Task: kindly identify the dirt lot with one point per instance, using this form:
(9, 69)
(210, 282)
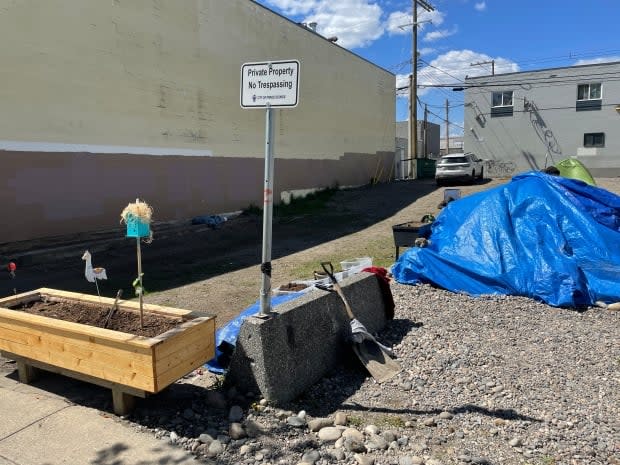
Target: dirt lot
(217, 271)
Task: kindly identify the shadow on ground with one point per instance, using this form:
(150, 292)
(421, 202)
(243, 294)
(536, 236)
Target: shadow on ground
(193, 253)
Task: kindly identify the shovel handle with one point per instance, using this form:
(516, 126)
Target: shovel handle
(329, 272)
(337, 288)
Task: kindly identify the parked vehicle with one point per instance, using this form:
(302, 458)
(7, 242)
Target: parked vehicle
(459, 166)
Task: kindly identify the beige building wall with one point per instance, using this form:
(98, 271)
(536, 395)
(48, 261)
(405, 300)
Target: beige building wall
(104, 101)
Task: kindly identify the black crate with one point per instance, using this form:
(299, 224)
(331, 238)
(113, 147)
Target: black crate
(405, 234)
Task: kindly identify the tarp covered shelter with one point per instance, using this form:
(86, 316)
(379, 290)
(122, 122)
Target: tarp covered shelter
(553, 239)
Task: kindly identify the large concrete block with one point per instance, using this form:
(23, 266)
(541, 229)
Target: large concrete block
(282, 356)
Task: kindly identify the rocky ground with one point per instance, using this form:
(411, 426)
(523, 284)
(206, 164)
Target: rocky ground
(492, 380)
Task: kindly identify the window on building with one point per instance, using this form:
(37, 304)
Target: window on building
(502, 99)
(594, 139)
(501, 103)
(589, 96)
(589, 91)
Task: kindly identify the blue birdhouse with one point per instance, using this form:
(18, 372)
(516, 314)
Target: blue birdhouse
(136, 228)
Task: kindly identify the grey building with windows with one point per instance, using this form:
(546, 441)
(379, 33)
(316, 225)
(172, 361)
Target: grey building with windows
(528, 120)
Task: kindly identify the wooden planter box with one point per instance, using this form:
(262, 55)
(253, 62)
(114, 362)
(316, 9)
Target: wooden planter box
(129, 365)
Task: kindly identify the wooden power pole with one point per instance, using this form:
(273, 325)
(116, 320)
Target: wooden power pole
(425, 130)
(413, 89)
(447, 127)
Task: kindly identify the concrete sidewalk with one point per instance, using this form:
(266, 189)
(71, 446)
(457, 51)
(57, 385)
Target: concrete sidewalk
(38, 427)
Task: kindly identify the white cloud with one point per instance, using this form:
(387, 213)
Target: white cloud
(402, 82)
(453, 66)
(481, 6)
(295, 7)
(399, 22)
(356, 23)
(593, 61)
(405, 19)
(426, 50)
(440, 34)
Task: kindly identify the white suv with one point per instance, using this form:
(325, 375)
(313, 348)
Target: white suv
(458, 166)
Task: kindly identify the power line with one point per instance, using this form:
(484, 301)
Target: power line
(588, 75)
(575, 56)
(571, 107)
(446, 121)
(441, 70)
(570, 56)
(532, 83)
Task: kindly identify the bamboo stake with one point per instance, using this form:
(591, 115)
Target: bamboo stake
(140, 291)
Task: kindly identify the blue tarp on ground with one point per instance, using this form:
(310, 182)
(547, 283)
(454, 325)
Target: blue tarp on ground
(553, 239)
(226, 336)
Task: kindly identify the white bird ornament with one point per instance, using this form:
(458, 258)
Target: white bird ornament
(93, 274)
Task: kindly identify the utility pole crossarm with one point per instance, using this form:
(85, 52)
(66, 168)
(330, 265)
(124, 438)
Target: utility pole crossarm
(489, 62)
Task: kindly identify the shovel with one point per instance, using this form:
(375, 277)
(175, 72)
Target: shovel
(373, 355)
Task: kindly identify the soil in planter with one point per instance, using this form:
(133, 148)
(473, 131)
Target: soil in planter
(93, 315)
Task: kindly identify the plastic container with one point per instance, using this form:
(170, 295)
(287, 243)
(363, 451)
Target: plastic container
(136, 228)
(361, 263)
(451, 194)
(355, 265)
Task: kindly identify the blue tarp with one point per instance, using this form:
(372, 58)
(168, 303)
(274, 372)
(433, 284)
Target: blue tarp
(226, 336)
(550, 238)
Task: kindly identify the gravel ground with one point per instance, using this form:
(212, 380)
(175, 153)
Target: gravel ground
(491, 380)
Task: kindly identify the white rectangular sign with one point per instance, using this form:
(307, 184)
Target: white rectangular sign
(273, 83)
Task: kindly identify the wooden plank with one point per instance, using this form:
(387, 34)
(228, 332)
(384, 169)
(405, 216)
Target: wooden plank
(164, 364)
(29, 325)
(174, 359)
(202, 333)
(99, 335)
(75, 375)
(116, 365)
(81, 350)
(186, 366)
(93, 367)
(90, 368)
(182, 335)
(22, 298)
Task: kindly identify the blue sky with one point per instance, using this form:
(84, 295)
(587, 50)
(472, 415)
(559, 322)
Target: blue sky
(519, 35)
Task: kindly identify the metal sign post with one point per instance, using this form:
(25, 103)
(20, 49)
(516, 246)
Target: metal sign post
(272, 84)
(265, 268)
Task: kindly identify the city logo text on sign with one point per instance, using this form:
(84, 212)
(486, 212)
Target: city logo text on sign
(274, 84)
